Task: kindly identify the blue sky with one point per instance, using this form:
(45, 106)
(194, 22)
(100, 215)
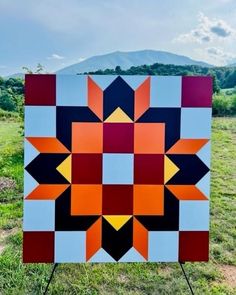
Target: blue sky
(58, 33)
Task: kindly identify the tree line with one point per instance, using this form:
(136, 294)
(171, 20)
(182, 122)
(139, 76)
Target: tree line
(12, 89)
(224, 77)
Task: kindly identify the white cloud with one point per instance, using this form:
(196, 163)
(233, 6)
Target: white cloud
(56, 56)
(207, 30)
(81, 59)
(220, 55)
(225, 1)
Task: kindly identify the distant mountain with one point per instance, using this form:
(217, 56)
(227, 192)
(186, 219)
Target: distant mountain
(16, 75)
(232, 65)
(128, 59)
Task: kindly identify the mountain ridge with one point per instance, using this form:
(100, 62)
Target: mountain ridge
(128, 59)
(125, 59)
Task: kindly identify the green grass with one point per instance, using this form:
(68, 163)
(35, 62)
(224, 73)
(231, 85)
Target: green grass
(148, 278)
(8, 116)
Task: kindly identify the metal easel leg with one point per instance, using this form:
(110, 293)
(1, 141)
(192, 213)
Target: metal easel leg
(186, 278)
(50, 279)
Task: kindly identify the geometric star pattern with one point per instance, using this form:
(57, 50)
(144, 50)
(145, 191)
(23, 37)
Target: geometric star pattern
(116, 168)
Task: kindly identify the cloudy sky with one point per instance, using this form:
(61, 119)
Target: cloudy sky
(58, 33)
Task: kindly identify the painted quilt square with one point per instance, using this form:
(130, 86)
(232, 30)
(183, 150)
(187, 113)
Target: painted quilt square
(117, 168)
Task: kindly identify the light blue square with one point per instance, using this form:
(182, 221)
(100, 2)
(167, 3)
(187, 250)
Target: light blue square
(166, 91)
(71, 90)
(40, 121)
(70, 246)
(39, 215)
(195, 123)
(118, 168)
(163, 246)
(194, 215)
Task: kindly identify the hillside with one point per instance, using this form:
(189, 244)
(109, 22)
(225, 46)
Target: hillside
(225, 77)
(128, 59)
(15, 76)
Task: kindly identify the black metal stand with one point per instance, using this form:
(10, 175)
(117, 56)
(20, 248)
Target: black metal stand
(50, 279)
(186, 278)
(180, 263)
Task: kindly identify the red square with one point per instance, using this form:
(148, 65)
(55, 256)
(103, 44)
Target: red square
(38, 247)
(148, 169)
(87, 168)
(193, 246)
(40, 90)
(196, 91)
(118, 137)
(117, 200)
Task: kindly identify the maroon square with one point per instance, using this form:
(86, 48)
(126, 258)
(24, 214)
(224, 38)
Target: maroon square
(118, 137)
(40, 90)
(117, 200)
(148, 169)
(38, 247)
(87, 168)
(193, 246)
(196, 91)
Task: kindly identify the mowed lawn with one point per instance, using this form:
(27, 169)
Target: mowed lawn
(216, 277)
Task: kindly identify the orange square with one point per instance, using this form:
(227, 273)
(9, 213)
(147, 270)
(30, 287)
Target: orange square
(87, 137)
(86, 199)
(148, 200)
(149, 138)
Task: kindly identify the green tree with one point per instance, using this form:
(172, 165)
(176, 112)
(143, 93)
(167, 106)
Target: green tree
(1, 81)
(39, 69)
(7, 103)
(118, 70)
(216, 86)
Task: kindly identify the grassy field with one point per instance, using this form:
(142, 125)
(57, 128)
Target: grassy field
(216, 277)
